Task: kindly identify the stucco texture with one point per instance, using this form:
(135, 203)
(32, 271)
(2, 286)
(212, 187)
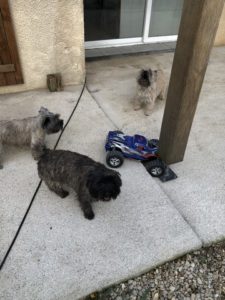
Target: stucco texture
(50, 39)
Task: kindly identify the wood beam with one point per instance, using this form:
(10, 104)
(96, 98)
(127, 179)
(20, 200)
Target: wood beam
(199, 23)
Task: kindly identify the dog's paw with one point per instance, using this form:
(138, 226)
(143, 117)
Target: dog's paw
(147, 113)
(89, 215)
(137, 107)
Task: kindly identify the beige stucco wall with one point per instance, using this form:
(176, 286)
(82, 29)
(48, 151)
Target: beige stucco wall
(50, 38)
(220, 36)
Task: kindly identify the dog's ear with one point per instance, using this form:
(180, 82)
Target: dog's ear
(116, 178)
(45, 122)
(43, 111)
(155, 75)
(150, 73)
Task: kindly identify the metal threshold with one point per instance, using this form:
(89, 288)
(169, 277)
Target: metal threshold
(129, 50)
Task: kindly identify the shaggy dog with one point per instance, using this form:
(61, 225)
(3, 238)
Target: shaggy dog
(150, 86)
(30, 131)
(91, 180)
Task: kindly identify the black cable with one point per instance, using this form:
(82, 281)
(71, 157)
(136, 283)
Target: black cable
(71, 115)
(39, 184)
(20, 226)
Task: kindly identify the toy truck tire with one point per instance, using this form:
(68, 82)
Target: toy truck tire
(114, 159)
(156, 168)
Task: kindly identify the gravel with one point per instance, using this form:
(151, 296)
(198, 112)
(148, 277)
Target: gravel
(196, 276)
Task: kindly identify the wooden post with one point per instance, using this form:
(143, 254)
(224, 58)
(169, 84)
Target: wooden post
(199, 23)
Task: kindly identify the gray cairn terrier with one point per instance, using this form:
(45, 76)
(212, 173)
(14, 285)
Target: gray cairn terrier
(151, 85)
(91, 180)
(29, 131)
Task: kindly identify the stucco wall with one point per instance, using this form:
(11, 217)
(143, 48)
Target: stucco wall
(50, 39)
(220, 36)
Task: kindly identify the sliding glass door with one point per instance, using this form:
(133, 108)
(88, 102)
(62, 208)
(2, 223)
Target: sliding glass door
(132, 14)
(119, 22)
(165, 17)
(102, 19)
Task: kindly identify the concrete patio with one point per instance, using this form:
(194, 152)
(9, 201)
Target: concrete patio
(60, 255)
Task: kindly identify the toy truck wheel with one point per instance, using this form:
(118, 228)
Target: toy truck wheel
(156, 168)
(114, 159)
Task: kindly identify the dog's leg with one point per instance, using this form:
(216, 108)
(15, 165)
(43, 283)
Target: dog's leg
(85, 203)
(148, 108)
(150, 101)
(55, 187)
(37, 150)
(137, 103)
(137, 100)
(37, 143)
(162, 94)
(1, 155)
(87, 209)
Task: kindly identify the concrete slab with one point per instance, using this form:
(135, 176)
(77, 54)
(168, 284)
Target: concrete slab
(199, 191)
(61, 255)
(18, 179)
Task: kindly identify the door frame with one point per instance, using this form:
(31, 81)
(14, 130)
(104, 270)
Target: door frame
(145, 39)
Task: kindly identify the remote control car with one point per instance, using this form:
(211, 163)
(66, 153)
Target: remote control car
(120, 146)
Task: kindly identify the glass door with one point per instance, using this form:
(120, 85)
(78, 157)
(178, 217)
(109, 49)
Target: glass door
(102, 19)
(124, 22)
(111, 22)
(132, 14)
(165, 17)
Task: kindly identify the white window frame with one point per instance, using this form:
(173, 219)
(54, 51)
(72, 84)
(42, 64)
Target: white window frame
(145, 39)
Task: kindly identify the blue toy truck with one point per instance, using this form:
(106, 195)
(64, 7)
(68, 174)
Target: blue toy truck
(120, 146)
